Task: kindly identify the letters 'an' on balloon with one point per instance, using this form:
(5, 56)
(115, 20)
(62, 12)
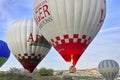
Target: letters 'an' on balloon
(4, 52)
(70, 25)
(26, 43)
(109, 69)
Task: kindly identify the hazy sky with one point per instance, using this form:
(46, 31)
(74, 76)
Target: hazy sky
(106, 44)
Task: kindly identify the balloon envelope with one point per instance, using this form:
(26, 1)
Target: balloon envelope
(4, 52)
(70, 25)
(26, 43)
(108, 68)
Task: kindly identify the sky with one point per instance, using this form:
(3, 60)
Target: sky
(105, 45)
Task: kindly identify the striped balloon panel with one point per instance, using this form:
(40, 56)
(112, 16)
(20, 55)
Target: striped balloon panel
(108, 68)
(108, 63)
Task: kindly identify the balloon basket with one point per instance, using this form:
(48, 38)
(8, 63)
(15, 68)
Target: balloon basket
(72, 69)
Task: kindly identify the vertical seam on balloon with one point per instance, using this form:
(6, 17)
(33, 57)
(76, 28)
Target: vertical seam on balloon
(24, 27)
(14, 42)
(72, 21)
(81, 18)
(45, 33)
(21, 32)
(87, 18)
(66, 17)
(103, 65)
(116, 65)
(56, 1)
(25, 38)
(93, 24)
(77, 15)
(111, 75)
(107, 63)
(99, 66)
(74, 17)
(17, 37)
(106, 75)
(33, 37)
(36, 33)
(9, 41)
(64, 27)
(13, 39)
(20, 26)
(96, 27)
(87, 29)
(54, 23)
(112, 64)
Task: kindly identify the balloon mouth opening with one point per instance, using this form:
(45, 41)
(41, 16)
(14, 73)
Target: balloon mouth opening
(30, 69)
(71, 48)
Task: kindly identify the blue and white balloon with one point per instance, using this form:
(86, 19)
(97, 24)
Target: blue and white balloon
(109, 69)
(4, 52)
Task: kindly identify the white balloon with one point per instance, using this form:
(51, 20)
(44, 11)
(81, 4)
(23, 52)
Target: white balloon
(67, 22)
(109, 69)
(26, 43)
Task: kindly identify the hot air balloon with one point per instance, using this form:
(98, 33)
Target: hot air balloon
(26, 43)
(4, 52)
(69, 25)
(109, 69)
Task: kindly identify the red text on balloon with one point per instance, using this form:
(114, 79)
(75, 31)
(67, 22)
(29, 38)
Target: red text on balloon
(30, 38)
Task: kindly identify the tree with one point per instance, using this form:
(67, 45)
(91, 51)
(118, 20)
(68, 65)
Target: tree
(45, 72)
(14, 71)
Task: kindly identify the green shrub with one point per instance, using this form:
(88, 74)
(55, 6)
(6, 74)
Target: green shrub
(45, 72)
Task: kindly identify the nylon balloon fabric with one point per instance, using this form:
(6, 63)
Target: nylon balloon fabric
(27, 44)
(70, 25)
(109, 69)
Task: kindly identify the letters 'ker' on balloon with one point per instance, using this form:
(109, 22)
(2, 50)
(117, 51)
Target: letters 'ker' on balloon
(43, 14)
